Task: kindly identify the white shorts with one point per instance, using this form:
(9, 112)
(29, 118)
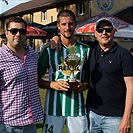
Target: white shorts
(55, 124)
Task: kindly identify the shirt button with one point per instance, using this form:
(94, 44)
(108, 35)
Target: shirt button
(101, 55)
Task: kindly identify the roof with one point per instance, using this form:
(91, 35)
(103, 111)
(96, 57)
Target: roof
(126, 14)
(35, 6)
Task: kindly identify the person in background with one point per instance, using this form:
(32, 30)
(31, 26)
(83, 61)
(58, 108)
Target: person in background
(45, 41)
(20, 104)
(63, 104)
(110, 95)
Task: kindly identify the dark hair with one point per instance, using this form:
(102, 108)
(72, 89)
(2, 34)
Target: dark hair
(16, 19)
(66, 13)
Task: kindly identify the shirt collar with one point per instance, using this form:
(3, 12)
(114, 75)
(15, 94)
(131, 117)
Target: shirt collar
(112, 49)
(4, 45)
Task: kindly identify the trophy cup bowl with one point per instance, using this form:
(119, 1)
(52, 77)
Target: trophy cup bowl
(72, 62)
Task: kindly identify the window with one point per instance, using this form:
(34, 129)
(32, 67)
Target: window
(51, 18)
(44, 15)
(81, 9)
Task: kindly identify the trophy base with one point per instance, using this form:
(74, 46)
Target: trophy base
(73, 85)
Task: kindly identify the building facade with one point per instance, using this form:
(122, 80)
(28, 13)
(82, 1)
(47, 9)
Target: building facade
(46, 12)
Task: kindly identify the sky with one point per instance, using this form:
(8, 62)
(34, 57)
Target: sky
(11, 3)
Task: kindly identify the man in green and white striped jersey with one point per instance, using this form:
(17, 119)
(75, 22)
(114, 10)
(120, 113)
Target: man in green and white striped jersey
(62, 104)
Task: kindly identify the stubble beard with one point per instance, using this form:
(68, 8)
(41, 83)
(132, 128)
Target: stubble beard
(68, 37)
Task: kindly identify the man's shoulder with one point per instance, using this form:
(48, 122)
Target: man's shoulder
(82, 43)
(2, 52)
(121, 48)
(90, 44)
(31, 52)
(120, 51)
(45, 49)
(0, 49)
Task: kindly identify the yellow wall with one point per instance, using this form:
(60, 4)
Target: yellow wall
(37, 17)
(50, 13)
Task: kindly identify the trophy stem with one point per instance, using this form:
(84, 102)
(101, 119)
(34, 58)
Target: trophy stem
(72, 79)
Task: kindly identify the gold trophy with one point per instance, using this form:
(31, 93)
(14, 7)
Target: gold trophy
(72, 61)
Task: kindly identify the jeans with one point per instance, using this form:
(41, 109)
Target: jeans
(17, 129)
(103, 124)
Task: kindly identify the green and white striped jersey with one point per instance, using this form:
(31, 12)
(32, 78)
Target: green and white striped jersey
(60, 103)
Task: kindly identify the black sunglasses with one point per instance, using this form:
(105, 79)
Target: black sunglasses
(15, 30)
(100, 30)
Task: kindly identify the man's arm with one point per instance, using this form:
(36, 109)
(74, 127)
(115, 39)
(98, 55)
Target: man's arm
(125, 124)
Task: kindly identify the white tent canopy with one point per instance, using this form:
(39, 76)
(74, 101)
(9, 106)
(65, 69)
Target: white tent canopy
(125, 32)
(124, 29)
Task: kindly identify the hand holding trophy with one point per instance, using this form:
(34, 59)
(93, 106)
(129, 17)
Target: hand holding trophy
(72, 61)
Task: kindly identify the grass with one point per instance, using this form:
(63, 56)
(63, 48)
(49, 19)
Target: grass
(40, 124)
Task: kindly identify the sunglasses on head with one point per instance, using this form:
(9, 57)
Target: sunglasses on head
(100, 30)
(15, 30)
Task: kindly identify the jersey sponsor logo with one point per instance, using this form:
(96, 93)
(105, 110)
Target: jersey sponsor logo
(65, 69)
(110, 62)
(105, 5)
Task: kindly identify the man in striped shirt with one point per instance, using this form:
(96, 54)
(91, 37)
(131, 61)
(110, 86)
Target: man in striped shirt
(63, 104)
(20, 105)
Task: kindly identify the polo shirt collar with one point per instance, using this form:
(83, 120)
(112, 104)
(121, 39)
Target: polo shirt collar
(112, 49)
